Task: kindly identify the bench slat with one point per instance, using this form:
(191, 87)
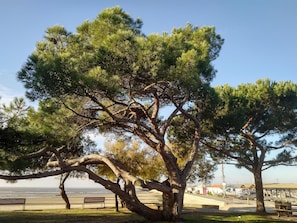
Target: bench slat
(8, 201)
(285, 210)
(94, 199)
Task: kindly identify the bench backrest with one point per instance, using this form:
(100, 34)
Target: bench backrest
(94, 199)
(7, 201)
(283, 205)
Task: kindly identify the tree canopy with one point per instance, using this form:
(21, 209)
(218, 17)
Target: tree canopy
(122, 81)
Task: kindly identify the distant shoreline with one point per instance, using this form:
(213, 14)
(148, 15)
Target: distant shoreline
(35, 192)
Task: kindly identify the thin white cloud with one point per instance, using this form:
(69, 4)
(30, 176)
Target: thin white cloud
(9, 87)
(7, 94)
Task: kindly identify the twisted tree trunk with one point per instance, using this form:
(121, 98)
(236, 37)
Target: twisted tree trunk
(63, 193)
(173, 202)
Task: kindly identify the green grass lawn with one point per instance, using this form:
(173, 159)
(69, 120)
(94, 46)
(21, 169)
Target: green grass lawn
(108, 215)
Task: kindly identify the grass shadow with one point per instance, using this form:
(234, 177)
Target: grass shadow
(109, 215)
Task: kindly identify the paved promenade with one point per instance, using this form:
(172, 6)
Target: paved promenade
(225, 204)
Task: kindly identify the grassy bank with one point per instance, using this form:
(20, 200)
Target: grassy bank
(108, 215)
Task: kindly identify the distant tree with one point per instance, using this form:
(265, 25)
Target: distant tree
(12, 114)
(122, 81)
(138, 160)
(14, 140)
(255, 126)
(27, 134)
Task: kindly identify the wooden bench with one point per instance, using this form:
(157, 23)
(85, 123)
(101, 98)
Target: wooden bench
(13, 201)
(285, 212)
(284, 208)
(93, 200)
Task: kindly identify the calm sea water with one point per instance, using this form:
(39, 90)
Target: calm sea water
(43, 191)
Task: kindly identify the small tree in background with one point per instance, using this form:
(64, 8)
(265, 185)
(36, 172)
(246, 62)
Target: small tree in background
(28, 137)
(255, 126)
(138, 160)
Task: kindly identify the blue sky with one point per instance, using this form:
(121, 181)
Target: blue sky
(260, 40)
